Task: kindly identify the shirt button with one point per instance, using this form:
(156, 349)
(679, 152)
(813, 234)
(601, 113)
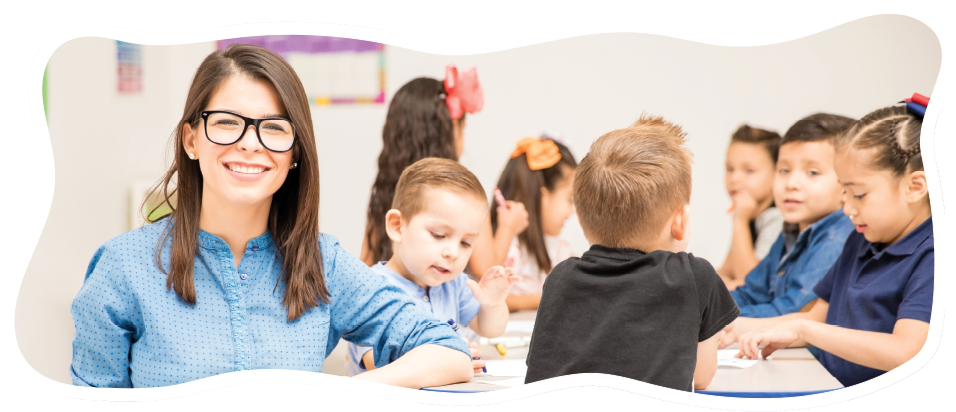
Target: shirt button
(780, 273)
(425, 298)
(243, 276)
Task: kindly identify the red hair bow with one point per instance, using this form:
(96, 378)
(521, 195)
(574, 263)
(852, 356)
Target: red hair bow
(463, 93)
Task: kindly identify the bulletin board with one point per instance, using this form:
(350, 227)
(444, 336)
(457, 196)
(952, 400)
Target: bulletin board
(333, 70)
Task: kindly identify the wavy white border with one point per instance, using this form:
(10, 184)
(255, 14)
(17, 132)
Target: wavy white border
(459, 45)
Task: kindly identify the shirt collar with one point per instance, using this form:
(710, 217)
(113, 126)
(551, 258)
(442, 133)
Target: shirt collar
(210, 241)
(614, 252)
(820, 227)
(905, 246)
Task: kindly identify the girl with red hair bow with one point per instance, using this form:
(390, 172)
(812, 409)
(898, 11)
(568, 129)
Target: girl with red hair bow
(426, 118)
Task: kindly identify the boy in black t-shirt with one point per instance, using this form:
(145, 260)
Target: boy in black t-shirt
(634, 305)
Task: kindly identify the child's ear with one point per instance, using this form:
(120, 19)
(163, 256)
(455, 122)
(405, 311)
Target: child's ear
(916, 187)
(680, 228)
(393, 225)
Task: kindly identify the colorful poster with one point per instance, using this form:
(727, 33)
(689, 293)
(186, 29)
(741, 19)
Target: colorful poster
(333, 70)
(129, 67)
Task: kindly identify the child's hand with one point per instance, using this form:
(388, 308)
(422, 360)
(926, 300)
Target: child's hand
(476, 361)
(514, 217)
(494, 286)
(728, 338)
(773, 337)
(744, 205)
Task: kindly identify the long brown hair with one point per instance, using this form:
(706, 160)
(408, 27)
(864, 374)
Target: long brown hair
(418, 125)
(294, 212)
(521, 184)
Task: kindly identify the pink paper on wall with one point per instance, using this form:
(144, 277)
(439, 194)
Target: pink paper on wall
(129, 67)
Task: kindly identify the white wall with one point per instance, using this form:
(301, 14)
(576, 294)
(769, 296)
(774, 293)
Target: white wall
(581, 87)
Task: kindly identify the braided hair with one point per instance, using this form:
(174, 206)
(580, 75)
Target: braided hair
(894, 132)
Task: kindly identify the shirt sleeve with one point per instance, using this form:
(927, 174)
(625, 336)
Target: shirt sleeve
(717, 307)
(104, 332)
(799, 288)
(769, 231)
(918, 294)
(467, 305)
(368, 311)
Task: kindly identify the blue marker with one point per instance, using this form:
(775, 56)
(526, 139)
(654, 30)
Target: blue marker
(454, 326)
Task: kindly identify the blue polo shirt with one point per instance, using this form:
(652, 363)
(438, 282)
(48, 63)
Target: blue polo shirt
(870, 288)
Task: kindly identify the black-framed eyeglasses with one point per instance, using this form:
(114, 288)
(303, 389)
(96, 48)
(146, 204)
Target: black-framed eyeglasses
(225, 128)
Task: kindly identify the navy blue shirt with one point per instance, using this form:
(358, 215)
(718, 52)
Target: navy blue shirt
(870, 288)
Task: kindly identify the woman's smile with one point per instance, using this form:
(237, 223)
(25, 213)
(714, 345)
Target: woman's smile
(246, 171)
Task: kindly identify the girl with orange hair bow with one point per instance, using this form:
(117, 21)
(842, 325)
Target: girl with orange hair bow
(539, 175)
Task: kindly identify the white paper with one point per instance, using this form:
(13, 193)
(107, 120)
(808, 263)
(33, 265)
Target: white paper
(725, 358)
(521, 326)
(509, 367)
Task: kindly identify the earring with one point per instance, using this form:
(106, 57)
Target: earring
(851, 217)
(294, 165)
(191, 156)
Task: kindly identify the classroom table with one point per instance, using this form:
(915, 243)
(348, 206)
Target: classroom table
(789, 372)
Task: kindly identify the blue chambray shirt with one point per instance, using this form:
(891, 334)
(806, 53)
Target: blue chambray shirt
(133, 332)
(452, 300)
(783, 281)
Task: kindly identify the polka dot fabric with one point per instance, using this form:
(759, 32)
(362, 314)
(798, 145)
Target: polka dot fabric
(133, 332)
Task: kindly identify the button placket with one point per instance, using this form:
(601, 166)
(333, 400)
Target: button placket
(237, 311)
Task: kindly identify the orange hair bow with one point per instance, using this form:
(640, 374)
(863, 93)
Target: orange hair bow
(541, 153)
(463, 92)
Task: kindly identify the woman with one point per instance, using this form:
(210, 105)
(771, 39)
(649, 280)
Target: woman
(238, 276)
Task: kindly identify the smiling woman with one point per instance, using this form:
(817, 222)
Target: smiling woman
(237, 275)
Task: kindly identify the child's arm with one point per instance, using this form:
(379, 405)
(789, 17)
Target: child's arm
(523, 302)
(491, 293)
(743, 326)
(877, 350)
(491, 249)
(369, 360)
(426, 365)
(742, 256)
(706, 362)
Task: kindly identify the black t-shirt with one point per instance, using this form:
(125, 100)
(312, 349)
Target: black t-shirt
(628, 313)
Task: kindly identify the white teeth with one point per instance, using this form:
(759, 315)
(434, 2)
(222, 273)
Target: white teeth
(245, 170)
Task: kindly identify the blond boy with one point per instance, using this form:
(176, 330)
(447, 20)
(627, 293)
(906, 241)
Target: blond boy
(635, 304)
(438, 210)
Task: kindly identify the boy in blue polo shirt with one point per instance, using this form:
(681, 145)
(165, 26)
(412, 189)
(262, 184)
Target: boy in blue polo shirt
(875, 303)
(438, 210)
(806, 191)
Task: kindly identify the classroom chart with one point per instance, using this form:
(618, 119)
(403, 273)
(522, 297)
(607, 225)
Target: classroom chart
(788, 372)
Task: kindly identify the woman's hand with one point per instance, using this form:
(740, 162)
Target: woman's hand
(494, 286)
(514, 218)
(476, 362)
(773, 337)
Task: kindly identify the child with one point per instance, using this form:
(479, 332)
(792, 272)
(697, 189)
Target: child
(438, 211)
(751, 164)
(635, 304)
(539, 175)
(808, 195)
(874, 308)
(426, 118)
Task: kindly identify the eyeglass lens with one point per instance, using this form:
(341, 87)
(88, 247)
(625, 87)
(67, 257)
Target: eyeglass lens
(226, 128)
